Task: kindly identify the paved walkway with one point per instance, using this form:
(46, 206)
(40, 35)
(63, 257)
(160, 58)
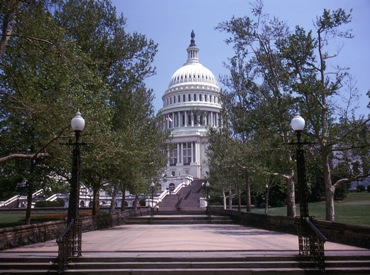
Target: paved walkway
(167, 239)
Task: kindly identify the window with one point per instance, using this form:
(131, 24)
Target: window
(186, 153)
(183, 98)
(189, 97)
(173, 157)
(195, 97)
(178, 98)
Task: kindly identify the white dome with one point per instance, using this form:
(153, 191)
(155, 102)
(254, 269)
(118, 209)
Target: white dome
(193, 72)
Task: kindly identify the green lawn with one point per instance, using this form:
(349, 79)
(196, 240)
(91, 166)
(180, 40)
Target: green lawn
(355, 209)
(11, 218)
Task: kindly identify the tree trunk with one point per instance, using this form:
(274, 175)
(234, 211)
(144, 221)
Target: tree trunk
(29, 193)
(329, 188)
(290, 200)
(239, 200)
(230, 200)
(136, 201)
(95, 206)
(29, 202)
(267, 200)
(224, 198)
(114, 198)
(9, 21)
(248, 194)
(123, 199)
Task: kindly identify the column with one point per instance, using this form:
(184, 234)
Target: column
(178, 146)
(168, 154)
(193, 153)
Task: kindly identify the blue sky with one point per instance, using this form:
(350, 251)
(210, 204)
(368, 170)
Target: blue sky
(170, 22)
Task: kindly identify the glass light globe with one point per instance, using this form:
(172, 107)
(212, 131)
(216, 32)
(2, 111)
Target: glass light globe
(297, 123)
(78, 122)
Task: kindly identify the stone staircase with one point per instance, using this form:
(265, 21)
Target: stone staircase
(186, 199)
(211, 262)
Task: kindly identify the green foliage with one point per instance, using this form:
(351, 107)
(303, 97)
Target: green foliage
(56, 203)
(68, 55)
(276, 72)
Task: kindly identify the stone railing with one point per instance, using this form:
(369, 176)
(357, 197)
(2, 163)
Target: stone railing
(349, 234)
(16, 236)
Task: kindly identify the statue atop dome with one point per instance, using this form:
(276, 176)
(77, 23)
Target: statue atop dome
(192, 41)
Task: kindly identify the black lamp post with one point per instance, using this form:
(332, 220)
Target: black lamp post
(152, 206)
(77, 124)
(298, 124)
(207, 199)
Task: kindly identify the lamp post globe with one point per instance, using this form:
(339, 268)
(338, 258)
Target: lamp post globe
(78, 122)
(297, 123)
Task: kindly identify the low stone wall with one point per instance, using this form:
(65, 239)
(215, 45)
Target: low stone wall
(354, 235)
(17, 236)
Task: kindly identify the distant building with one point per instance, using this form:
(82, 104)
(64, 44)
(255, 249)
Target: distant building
(190, 105)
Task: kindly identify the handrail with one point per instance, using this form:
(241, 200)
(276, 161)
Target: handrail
(38, 192)
(178, 188)
(65, 231)
(316, 243)
(317, 231)
(9, 201)
(69, 243)
(164, 194)
(177, 205)
(187, 195)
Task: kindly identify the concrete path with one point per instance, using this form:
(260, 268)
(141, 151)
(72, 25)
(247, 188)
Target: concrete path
(167, 239)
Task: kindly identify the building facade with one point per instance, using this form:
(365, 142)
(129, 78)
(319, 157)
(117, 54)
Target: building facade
(191, 104)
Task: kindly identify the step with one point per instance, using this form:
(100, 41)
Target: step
(182, 264)
(189, 264)
(180, 219)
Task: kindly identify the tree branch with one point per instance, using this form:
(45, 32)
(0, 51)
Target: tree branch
(37, 155)
(24, 156)
(342, 181)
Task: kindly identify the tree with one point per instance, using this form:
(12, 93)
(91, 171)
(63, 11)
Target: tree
(42, 89)
(333, 128)
(284, 72)
(257, 86)
(91, 64)
(124, 61)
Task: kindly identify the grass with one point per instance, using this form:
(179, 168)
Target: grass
(10, 218)
(354, 209)
(14, 218)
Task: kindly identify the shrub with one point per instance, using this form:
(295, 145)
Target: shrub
(360, 188)
(368, 188)
(56, 203)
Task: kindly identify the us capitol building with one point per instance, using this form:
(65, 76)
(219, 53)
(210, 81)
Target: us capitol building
(191, 104)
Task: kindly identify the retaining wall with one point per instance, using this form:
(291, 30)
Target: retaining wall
(349, 234)
(16, 236)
